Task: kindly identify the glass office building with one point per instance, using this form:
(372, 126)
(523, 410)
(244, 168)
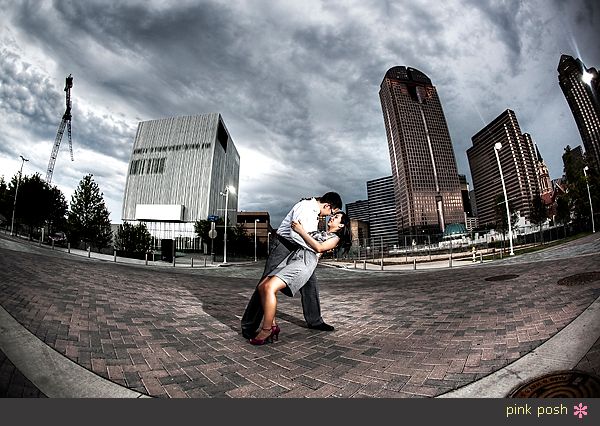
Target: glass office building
(581, 87)
(428, 194)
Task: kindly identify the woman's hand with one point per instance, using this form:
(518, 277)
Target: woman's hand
(297, 226)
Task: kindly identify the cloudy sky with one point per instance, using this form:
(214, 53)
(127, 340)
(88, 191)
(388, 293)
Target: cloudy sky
(296, 82)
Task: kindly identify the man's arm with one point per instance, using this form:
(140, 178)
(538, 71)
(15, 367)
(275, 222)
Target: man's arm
(309, 218)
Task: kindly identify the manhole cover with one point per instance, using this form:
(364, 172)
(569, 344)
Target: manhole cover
(561, 384)
(584, 278)
(502, 277)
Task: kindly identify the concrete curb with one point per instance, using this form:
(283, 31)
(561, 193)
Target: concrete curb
(51, 372)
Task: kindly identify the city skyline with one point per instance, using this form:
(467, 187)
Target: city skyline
(296, 83)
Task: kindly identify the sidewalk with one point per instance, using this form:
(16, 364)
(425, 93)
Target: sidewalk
(174, 332)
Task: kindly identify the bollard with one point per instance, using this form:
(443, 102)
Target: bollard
(365, 264)
(89, 251)
(173, 261)
(192, 262)
(52, 244)
(68, 247)
(153, 256)
(205, 261)
(480, 257)
(382, 264)
(40, 244)
(146, 259)
(115, 256)
(415, 264)
(450, 261)
(354, 263)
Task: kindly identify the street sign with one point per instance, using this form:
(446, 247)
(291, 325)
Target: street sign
(213, 218)
(212, 234)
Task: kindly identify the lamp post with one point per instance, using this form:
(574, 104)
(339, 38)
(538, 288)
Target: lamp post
(12, 223)
(255, 222)
(226, 194)
(498, 147)
(585, 169)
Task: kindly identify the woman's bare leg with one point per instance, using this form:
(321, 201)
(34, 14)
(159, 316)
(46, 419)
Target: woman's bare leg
(268, 289)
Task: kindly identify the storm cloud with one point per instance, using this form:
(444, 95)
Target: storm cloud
(296, 82)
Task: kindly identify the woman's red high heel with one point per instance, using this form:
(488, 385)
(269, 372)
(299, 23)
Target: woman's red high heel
(275, 331)
(259, 342)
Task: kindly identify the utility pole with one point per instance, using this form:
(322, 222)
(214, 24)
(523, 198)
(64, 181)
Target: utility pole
(12, 223)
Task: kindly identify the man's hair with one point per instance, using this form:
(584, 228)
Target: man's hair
(332, 198)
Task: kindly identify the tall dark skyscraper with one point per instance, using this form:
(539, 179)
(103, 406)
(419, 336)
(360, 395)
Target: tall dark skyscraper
(424, 168)
(519, 162)
(581, 87)
(358, 210)
(382, 211)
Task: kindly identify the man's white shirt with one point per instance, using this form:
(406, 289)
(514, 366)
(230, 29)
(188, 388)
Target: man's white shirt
(307, 213)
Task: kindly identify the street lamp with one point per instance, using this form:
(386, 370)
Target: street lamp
(255, 222)
(228, 188)
(12, 224)
(585, 169)
(498, 147)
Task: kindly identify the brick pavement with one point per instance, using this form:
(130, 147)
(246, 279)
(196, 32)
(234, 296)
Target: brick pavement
(173, 333)
(13, 384)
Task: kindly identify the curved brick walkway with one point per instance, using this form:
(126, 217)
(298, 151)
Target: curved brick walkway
(174, 332)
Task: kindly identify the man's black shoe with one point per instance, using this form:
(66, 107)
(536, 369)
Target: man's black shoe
(249, 334)
(322, 327)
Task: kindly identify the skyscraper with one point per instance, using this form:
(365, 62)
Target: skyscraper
(178, 169)
(424, 169)
(358, 210)
(382, 211)
(581, 87)
(518, 160)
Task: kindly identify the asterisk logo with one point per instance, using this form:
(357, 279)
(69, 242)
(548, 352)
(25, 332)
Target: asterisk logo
(580, 410)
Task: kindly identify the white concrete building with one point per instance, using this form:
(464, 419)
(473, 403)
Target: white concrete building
(178, 169)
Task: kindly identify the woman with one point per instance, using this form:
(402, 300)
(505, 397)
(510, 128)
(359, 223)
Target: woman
(295, 270)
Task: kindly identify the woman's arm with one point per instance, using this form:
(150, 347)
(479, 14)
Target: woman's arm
(319, 247)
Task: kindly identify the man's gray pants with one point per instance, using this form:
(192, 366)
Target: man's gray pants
(311, 305)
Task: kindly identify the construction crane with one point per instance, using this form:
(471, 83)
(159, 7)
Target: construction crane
(66, 122)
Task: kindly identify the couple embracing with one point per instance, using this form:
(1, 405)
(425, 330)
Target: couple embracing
(290, 267)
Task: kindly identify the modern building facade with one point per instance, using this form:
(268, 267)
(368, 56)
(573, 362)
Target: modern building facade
(581, 87)
(382, 212)
(426, 185)
(257, 224)
(465, 193)
(518, 161)
(358, 210)
(179, 170)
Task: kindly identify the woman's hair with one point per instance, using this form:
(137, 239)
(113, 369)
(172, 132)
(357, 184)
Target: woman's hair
(344, 233)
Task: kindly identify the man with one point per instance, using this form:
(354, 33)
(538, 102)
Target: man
(307, 212)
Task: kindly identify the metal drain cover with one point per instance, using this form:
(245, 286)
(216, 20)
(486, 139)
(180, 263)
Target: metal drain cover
(560, 384)
(502, 277)
(584, 278)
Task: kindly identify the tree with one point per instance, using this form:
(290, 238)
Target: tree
(38, 203)
(133, 240)
(240, 242)
(539, 213)
(573, 164)
(88, 219)
(4, 201)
